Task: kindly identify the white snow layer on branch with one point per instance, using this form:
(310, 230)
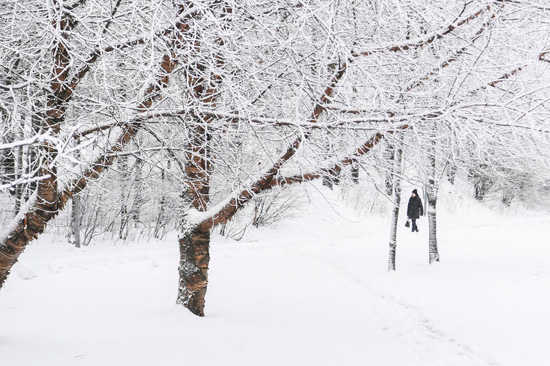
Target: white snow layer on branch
(421, 41)
(30, 141)
(63, 151)
(13, 224)
(22, 180)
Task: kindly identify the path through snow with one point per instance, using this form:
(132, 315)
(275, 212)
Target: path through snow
(307, 292)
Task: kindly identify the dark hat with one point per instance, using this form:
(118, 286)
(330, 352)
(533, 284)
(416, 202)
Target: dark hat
(415, 192)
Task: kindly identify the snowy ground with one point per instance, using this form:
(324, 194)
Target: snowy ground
(310, 291)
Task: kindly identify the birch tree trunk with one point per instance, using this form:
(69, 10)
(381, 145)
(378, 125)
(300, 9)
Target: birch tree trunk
(18, 190)
(138, 188)
(76, 216)
(389, 154)
(158, 233)
(124, 194)
(431, 190)
(396, 190)
(76, 221)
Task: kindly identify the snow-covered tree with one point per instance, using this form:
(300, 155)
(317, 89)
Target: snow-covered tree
(244, 97)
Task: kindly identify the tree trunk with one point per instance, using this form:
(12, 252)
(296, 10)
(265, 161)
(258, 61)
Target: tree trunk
(76, 221)
(389, 154)
(46, 206)
(451, 173)
(432, 221)
(18, 172)
(138, 189)
(507, 196)
(76, 214)
(331, 179)
(431, 190)
(396, 190)
(124, 194)
(355, 172)
(481, 187)
(32, 223)
(48, 200)
(193, 270)
(482, 182)
(195, 241)
(161, 217)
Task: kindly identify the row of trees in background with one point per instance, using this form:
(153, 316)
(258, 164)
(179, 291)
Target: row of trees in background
(149, 116)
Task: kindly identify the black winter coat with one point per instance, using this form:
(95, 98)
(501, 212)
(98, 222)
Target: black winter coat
(415, 209)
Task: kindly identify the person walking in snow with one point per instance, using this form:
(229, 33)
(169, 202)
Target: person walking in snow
(414, 209)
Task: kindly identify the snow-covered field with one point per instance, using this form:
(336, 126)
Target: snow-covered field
(310, 291)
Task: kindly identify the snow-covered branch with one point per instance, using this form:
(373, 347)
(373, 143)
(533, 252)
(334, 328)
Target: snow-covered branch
(22, 180)
(429, 38)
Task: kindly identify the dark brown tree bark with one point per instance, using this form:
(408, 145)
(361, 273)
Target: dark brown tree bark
(46, 205)
(193, 270)
(49, 201)
(194, 244)
(195, 240)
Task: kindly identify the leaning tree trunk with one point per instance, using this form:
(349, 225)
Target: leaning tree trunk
(46, 205)
(48, 200)
(431, 190)
(396, 189)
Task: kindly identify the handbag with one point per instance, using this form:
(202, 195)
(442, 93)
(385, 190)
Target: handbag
(408, 224)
